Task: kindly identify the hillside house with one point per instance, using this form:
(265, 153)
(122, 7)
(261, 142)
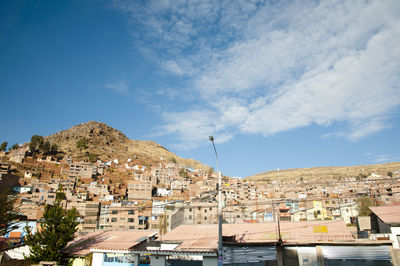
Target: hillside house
(4, 169)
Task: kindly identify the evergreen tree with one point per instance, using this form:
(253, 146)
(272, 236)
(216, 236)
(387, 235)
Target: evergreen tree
(3, 146)
(54, 149)
(8, 218)
(57, 229)
(46, 147)
(15, 146)
(36, 143)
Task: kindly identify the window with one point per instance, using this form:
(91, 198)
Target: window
(205, 218)
(114, 212)
(190, 217)
(131, 227)
(190, 209)
(113, 220)
(108, 257)
(199, 208)
(119, 258)
(205, 210)
(131, 220)
(131, 212)
(210, 208)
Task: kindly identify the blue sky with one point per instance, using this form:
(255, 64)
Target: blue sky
(280, 84)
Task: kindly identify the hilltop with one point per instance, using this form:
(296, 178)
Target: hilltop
(324, 173)
(109, 143)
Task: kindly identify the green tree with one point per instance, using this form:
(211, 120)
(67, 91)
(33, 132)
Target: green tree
(3, 146)
(46, 147)
(363, 204)
(82, 144)
(54, 149)
(390, 174)
(8, 218)
(15, 146)
(36, 142)
(183, 173)
(57, 229)
(92, 157)
(60, 194)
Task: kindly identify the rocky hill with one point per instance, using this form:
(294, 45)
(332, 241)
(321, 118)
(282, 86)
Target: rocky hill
(321, 173)
(108, 144)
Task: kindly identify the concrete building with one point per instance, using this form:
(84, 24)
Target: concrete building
(89, 214)
(122, 216)
(139, 190)
(4, 169)
(17, 156)
(201, 213)
(81, 169)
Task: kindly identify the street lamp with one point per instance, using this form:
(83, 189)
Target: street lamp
(219, 207)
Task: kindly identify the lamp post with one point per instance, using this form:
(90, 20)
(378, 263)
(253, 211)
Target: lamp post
(219, 207)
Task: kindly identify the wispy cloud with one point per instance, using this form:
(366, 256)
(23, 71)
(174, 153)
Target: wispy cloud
(262, 68)
(119, 87)
(382, 158)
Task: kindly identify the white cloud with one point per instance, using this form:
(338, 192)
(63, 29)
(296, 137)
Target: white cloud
(262, 68)
(193, 128)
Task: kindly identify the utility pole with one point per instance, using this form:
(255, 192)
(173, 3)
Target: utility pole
(273, 210)
(340, 209)
(279, 227)
(220, 258)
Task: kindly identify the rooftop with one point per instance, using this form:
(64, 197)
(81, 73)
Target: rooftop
(110, 240)
(205, 237)
(388, 214)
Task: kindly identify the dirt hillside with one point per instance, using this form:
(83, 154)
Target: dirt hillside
(316, 173)
(109, 143)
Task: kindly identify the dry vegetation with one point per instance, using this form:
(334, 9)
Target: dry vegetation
(318, 173)
(108, 144)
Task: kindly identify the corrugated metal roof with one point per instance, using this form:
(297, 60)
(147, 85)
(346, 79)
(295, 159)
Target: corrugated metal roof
(110, 240)
(206, 236)
(248, 254)
(356, 253)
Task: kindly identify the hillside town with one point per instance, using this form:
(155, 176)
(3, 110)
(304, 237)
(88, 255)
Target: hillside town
(157, 201)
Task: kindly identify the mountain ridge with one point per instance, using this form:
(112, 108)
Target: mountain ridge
(109, 143)
(333, 172)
